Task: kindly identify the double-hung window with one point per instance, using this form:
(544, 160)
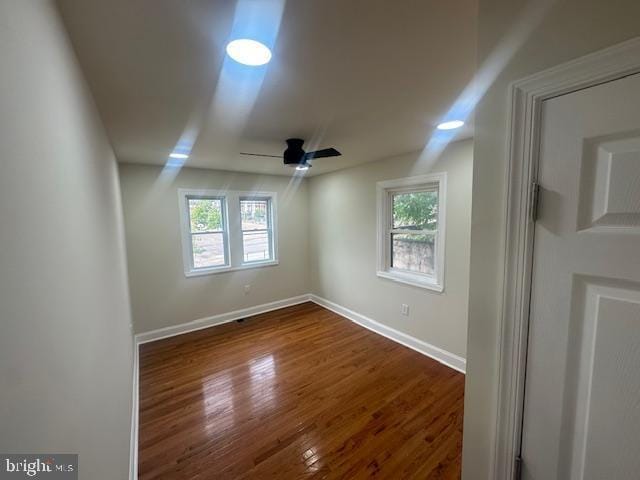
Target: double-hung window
(411, 214)
(227, 230)
(207, 226)
(257, 229)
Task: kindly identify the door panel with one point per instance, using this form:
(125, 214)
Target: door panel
(610, 196)
(601, 396)
(582, 394)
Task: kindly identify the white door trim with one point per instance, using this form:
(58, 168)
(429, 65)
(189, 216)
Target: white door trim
(526, 97)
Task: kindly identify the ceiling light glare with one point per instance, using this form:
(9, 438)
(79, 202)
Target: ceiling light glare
(180, 156)
(249, 52)
(302, 168)
(451, 125)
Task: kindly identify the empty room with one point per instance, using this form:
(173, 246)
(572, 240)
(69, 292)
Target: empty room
(337, 239)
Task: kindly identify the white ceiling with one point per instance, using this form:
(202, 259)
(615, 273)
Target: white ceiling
(368, 77)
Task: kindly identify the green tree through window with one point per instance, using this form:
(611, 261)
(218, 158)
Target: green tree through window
(205, 214)
(415, 211)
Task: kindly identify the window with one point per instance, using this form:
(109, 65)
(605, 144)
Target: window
(411, 214)
(224, 231)
(257, 234)
(208, 231)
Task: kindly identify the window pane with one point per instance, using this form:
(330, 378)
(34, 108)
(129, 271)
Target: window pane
(413, 252)
(208, 250)
(254, 214)
(205, 214)
(255, 246)
(415, 211)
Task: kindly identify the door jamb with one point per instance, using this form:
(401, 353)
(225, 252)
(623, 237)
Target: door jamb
(526, 97)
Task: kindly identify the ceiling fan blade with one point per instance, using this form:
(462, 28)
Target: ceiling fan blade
(260, 155)
(327, 152)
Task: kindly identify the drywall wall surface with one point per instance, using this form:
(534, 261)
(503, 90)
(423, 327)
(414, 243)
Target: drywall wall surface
(66, 346)
(343, 247)
(515, 39)
(161, 294)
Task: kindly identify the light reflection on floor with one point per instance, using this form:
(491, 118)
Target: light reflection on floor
(272, 400)
(263, 391)
(218, 404)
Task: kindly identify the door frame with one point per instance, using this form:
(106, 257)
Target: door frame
(526, 97)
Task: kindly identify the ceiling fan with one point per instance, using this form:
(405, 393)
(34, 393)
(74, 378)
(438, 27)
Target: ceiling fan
(294, 155)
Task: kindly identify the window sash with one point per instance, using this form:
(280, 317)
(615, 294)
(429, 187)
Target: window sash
(414, 189)
(210, 265)
(412, 232)
(400, 191)
(269, 247)
(408, 270)
(222, 200)
(406, 231)
(208, 232)
(268, 230)
(223, 231)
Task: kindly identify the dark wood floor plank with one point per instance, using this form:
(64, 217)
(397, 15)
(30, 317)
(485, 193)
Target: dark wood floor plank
(296, 393)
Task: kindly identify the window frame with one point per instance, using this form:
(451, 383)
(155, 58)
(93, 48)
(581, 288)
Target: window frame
(385, 191)
(232, 224)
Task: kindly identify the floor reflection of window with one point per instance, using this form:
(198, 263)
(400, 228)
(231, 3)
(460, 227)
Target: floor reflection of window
(312, 459)
(263, 388)
(217, 403)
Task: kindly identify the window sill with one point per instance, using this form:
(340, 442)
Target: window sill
(413, 280)
(217, 270)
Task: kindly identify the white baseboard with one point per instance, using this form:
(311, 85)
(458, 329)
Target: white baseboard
(217, 319)
(133, 460)
(178, 330)
(447, 358)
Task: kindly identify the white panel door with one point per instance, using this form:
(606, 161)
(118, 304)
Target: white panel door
(582, 397)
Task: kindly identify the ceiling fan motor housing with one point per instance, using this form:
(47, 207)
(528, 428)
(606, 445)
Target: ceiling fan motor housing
(294, 154)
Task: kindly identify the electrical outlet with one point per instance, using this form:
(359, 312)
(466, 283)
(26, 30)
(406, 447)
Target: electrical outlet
(247, 289)
(404, 309)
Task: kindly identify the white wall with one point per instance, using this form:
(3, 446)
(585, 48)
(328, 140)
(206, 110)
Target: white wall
(161, 294)
(343, 248)
(65, 338)
(568, 29)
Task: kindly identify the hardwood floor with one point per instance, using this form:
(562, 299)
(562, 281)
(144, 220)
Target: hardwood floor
(296, 393)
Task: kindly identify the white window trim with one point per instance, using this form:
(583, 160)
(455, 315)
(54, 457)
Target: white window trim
(384, 270)
(234, 247)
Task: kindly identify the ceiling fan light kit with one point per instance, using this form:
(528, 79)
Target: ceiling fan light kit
(295, 156)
